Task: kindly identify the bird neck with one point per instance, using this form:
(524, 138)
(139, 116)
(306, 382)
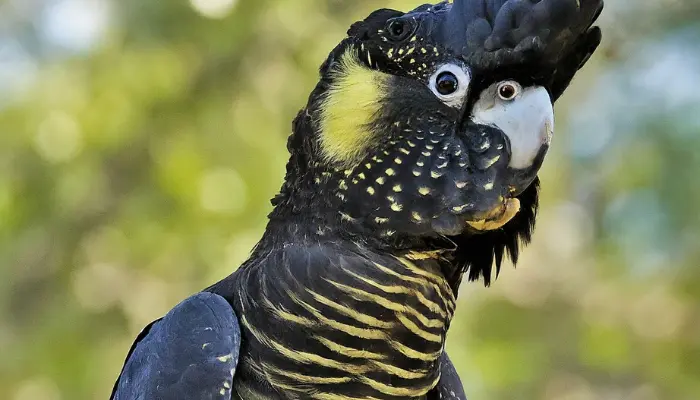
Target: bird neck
(288, 227)
(308, 213)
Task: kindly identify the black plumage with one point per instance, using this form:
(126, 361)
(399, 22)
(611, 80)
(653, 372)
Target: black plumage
(399, 183)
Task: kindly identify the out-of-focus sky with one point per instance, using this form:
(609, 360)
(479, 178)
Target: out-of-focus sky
(140, 141)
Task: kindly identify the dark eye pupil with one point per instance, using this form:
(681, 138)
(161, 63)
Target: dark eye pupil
(396, 28)
(507, 91)
(447, 83)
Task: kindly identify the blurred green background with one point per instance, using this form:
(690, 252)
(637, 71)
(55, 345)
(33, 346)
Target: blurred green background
(140, 141)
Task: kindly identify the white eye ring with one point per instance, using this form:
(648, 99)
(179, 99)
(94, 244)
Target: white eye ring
(454, 98)
(508, 90)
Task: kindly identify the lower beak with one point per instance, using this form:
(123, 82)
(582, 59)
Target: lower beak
(498, 217)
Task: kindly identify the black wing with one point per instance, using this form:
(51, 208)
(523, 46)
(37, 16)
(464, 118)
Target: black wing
(191, 353)
(450, 386)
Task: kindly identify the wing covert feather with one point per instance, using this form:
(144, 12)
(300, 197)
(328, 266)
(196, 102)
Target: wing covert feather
(191, 353)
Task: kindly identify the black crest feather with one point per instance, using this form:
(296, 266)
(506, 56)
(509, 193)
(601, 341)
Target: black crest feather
(495, 33)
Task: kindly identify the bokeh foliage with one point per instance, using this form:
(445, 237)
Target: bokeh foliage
(138, 171)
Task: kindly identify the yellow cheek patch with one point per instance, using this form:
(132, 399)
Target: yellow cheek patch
(348, 109)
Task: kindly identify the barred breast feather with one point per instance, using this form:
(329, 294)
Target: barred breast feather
(325, 323)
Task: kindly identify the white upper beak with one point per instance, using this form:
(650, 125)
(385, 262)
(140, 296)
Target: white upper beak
(527, 120)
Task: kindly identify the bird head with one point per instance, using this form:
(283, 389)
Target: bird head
(428, 128)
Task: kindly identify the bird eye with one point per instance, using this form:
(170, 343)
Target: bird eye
(450, 84)
(508, 90)
(446, 83)
(398, 29)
